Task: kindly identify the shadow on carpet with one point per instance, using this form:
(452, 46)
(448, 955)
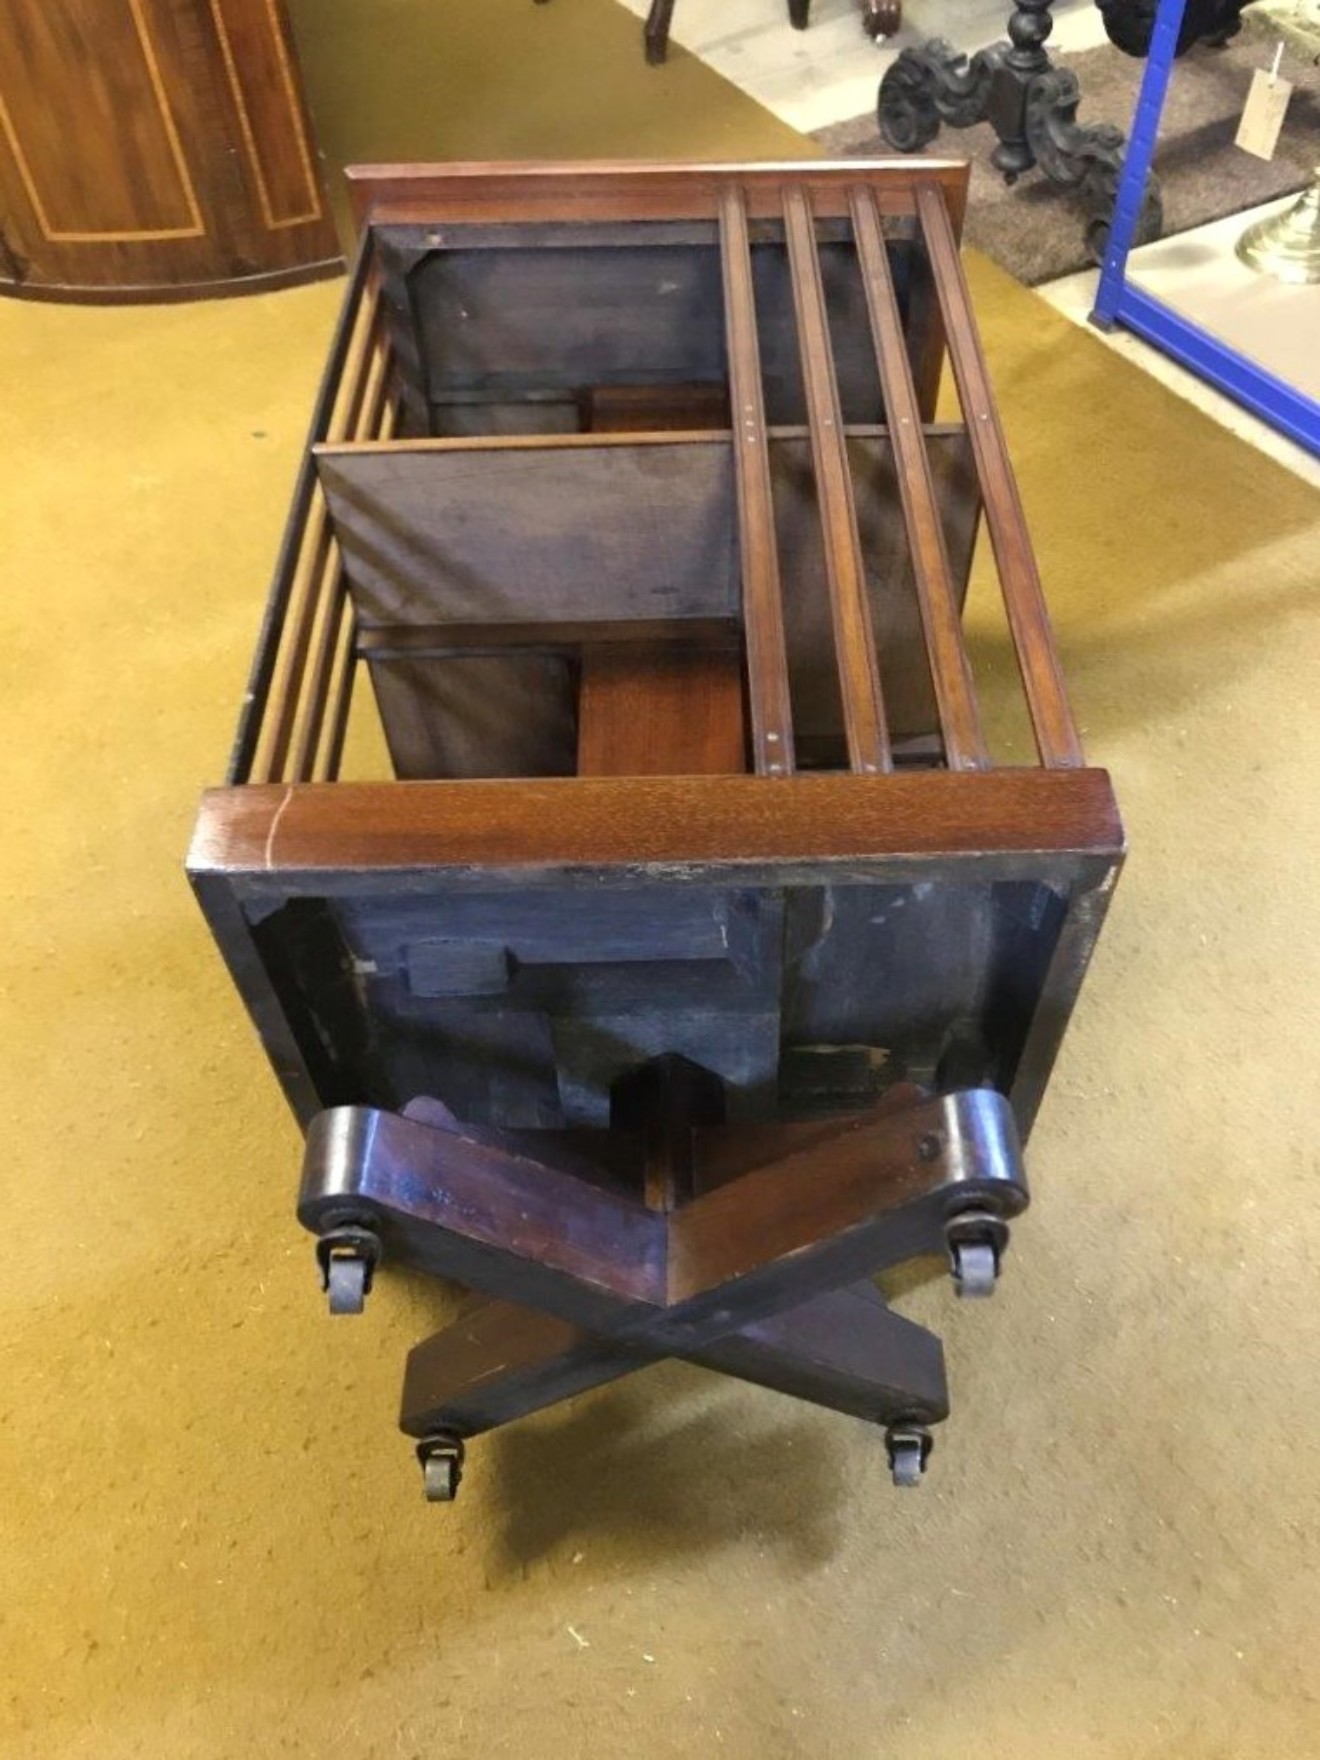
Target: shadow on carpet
(1036, 231)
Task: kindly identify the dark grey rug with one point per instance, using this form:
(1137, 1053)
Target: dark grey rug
(1036, 232)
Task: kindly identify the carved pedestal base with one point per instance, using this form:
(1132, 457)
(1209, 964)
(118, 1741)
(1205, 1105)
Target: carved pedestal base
(1032, 107)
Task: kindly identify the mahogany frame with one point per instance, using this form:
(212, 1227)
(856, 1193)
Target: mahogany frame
(285, 826)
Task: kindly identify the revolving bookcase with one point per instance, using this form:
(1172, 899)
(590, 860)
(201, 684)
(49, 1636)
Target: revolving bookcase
(695, 962)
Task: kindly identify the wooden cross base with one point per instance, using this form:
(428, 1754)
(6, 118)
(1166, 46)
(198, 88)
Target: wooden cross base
(744, 1248)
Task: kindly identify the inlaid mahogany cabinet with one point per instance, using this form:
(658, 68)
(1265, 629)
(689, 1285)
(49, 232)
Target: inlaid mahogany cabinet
(697, 962)
(155, 149)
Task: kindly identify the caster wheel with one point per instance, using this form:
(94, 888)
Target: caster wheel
(348, 1258)
(977, 1241)
(442, 1467)
(975, 1268)
(908, 1447)
(346, 1285)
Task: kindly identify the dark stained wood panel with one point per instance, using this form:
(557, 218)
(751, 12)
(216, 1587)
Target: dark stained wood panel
(573, 317)
(482, 535)
(472, 716)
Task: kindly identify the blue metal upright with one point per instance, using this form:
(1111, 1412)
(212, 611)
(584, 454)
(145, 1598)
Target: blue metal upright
(1117, 302)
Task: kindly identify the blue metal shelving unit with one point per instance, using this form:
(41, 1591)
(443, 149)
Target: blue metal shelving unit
(1118, 302)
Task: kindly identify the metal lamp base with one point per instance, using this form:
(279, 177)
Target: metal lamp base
(1287, 246)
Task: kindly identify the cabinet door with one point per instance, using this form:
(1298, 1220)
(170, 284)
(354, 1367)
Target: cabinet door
(154, 144)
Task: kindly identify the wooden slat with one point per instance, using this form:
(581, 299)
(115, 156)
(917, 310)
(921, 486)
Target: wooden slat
(859, 673)
(1042, 678)
(338, 693)
(339, 697)
(763, 607)
(268, 765)
(951, 673)
(293, 542)
(624, 440)
(318, 683)
(365, 350)
(365, 366)
(373, 419)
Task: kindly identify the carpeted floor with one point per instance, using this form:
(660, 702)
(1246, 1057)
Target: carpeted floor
(211, 1538)
(1037, 234)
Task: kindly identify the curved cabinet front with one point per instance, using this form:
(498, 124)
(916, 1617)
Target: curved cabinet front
(155, 149)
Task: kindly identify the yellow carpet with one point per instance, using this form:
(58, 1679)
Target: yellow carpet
(212, 1541)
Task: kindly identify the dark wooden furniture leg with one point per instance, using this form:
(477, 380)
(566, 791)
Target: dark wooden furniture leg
(882, 18)
(754, 1277)
(655, 33)
(844, 1350)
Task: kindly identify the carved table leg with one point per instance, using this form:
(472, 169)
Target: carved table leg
(1030, 104)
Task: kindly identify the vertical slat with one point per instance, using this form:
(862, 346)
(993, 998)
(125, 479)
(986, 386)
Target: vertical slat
(369, 424)
(338, 695)
(1042, 678)
(763, 607)
(292, 543)
(859, 673)
(304, 750)
(364, 369)
(951, 674)
(268, 764)
(925, 320)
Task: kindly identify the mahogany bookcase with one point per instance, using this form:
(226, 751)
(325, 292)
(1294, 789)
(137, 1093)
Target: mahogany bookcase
(697, 962)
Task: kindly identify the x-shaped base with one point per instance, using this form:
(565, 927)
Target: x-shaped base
(762, 1275)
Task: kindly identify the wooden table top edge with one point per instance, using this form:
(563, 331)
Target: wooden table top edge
(382, 194)
(634, 822)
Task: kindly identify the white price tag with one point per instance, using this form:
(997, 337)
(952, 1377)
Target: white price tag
(1262, 117)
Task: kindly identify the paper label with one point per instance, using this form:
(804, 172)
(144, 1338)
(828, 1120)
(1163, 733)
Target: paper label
(1262, 118)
